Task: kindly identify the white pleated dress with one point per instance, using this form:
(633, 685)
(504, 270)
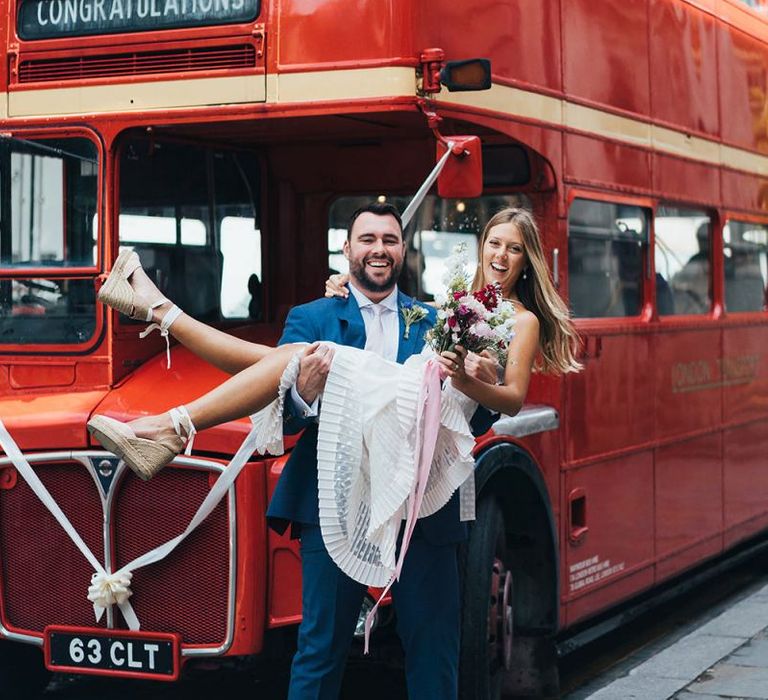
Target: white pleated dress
(366, 455)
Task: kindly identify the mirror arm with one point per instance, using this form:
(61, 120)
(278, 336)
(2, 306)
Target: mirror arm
(433, 122)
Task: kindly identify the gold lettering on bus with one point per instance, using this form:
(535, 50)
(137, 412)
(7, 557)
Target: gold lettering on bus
(699, 375)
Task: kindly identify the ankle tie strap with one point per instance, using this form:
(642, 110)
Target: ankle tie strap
(159, 302)
(183, 426)
(173, 313)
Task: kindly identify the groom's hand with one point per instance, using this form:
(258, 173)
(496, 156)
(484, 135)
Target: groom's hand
(314, 366)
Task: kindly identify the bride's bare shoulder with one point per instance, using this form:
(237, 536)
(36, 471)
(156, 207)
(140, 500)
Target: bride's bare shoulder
(525, 319)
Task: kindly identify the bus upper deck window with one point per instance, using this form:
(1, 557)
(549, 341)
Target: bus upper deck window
(605, 258)
(682, 254)
(745, 249)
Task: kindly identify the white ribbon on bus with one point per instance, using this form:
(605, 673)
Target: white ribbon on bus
(113, 587)
(110, 588)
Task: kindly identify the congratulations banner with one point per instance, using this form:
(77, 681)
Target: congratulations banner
(53, 19)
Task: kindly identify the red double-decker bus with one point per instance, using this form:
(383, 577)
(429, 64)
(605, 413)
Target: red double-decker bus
(227, 141)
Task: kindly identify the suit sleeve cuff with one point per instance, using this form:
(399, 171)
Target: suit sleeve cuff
(304, 409)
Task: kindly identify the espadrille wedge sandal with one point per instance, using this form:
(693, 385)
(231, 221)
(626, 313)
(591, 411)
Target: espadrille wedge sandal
(144, 456)
(117, 292)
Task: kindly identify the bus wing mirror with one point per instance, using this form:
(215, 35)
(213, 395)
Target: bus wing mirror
(462, 176)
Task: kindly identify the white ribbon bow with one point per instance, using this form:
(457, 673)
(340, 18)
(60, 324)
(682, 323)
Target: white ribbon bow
(107, 590)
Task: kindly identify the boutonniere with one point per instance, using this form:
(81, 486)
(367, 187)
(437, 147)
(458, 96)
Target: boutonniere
(412, 313)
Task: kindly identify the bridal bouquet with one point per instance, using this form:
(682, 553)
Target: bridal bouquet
(477, 321)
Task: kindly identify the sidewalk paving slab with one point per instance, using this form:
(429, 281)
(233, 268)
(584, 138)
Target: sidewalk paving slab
(639, 688)
(745, 619)
(753, 653)
(729, 681)
(689, 657)
(726, 657)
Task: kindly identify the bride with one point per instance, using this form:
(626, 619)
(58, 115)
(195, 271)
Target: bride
(510, 255)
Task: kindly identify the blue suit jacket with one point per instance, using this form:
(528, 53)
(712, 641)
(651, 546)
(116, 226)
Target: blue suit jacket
(340, 321)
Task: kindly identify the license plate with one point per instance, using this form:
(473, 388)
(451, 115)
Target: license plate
(112, 652)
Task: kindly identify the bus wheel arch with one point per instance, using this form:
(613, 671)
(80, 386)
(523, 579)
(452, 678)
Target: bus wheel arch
(514, 532)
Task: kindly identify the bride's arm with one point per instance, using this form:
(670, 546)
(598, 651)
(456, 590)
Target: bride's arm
(336, 285)
(508, 397)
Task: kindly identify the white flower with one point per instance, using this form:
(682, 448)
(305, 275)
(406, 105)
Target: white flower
(455, 276)
(412, 314)
(482, 330)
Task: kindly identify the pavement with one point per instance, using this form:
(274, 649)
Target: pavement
(726, 657)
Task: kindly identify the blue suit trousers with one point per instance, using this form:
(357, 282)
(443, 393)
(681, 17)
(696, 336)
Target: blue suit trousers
(426, 601)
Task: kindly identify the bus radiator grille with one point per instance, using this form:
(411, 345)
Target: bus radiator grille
(187, 592)
(45, 578)
(209, 58)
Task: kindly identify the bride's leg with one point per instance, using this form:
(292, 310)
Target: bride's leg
(220, 349)
(241, 395)
(148, 444)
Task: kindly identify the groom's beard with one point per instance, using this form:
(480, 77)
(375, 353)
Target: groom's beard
(359, 272)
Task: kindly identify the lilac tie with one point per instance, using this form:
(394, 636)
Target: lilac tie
(374, 340)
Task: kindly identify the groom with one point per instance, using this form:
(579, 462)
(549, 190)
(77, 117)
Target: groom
(426, 598)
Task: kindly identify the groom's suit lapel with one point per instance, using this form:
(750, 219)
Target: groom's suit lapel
(352, 325)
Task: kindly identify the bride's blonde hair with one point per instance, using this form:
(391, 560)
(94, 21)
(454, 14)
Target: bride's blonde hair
(558, 340)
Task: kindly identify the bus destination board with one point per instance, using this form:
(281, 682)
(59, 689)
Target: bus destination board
(54, 19)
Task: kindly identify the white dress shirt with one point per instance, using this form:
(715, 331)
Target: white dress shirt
(381, 339)
(382, 328)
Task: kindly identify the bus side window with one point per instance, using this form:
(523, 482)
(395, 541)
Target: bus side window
(48, 219)
(192, 215)
(51, 202)
(605, 258)
(682, 254)
(745, 249)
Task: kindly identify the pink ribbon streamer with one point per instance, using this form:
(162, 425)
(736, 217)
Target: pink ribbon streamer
(427, 427)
